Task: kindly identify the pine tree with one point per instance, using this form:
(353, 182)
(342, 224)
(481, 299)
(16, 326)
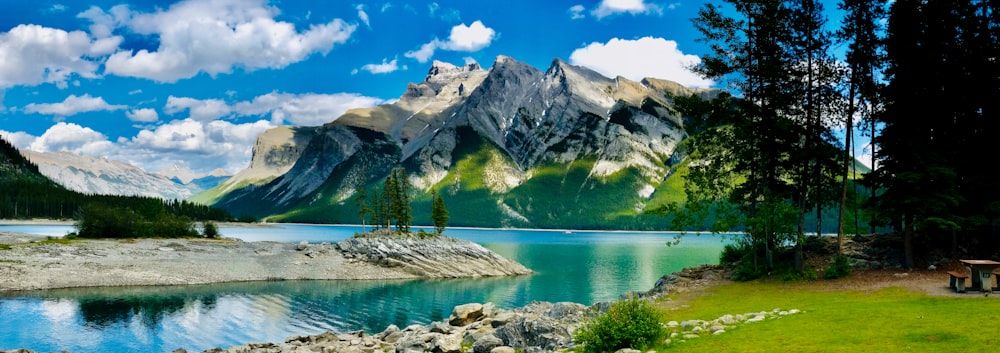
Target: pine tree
(361, 200)
(439, 214)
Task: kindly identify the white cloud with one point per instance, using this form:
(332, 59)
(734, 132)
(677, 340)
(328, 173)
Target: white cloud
(576, 12)
(303, 109)
(308, 109)
(384, 68)
(217, 36)
(425, 52)
(198, 109)
(31, 55)
(634, 7)
(19, 139)
(467, 38)
(73, 138)
(202, 146)
(363, 15)
(72, 105)
(641, 58)
(144, 115)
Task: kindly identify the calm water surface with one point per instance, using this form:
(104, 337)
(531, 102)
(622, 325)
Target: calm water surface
(583, 267)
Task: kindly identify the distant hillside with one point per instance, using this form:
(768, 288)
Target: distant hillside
(26, 193)
(101, 176)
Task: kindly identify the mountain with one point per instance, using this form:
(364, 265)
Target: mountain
(508, 146)
(274, 153)
(102, 176)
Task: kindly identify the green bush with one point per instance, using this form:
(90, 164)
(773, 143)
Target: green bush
(102, 221)
(733, 253)
(210, 230)
(629, 323)
(839, 268)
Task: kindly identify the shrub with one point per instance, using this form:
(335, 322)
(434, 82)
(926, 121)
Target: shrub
(101, 221)
(839, 268)
(210, 230)
(629, 323)
(733, 253)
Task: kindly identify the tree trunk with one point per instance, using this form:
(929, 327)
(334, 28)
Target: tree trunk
(908, 242)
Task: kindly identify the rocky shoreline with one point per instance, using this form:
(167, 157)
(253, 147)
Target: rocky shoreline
(26, 263)
(484, 328)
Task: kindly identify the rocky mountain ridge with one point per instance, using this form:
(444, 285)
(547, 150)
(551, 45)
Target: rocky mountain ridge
(102, 176)
(497, 139)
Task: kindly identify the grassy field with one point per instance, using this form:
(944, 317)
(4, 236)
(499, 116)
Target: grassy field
(885, 320)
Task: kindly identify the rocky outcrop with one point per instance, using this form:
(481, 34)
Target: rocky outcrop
(684, 280)
(274, 153)
(435, 257)
(537, 327)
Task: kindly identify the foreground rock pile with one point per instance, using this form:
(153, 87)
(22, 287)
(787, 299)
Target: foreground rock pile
(478, 328)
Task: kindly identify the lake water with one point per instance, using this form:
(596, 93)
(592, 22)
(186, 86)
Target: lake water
(579, 266)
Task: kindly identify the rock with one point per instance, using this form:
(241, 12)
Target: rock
(436, 257)
(501, 319)
(562, 310)
(465, 314)
(486, 344)
(503, 349)
(448, 344)
(628, 350)
(302, 245)
(526, 332)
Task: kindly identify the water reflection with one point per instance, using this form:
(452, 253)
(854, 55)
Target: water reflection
(584, 267)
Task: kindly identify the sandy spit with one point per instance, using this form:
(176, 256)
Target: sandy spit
(87, 263)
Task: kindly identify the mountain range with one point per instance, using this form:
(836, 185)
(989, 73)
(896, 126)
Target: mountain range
(509, 146)
(102, 176)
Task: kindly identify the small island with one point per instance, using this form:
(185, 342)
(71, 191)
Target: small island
(138, 262)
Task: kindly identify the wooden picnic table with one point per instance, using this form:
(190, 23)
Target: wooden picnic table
(982, 272)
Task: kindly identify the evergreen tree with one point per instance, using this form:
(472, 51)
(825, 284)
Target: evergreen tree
(861, 30)
(439, 214)
(361, 200)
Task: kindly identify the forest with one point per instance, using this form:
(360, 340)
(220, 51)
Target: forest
(917, 77)
(25, 193)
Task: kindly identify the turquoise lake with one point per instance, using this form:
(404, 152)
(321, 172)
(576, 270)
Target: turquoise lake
(578, 266)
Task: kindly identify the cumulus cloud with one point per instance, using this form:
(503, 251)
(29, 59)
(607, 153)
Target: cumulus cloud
(19, 139)
(467, 38)
(384, 68)
(215, 37)
(72, 105)
(202, 146)
(144, 115)
(198, 109)
(634, 7)
(33, 54)
(308, 109)
(576, 12)
(69, 137)
(303, 109)
(641, 58)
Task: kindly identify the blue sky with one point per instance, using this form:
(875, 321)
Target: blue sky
(192, 83)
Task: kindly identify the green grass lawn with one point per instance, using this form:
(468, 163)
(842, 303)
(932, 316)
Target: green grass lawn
(887, 320)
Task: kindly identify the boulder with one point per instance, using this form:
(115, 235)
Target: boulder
(465, 314)
(486, 344)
